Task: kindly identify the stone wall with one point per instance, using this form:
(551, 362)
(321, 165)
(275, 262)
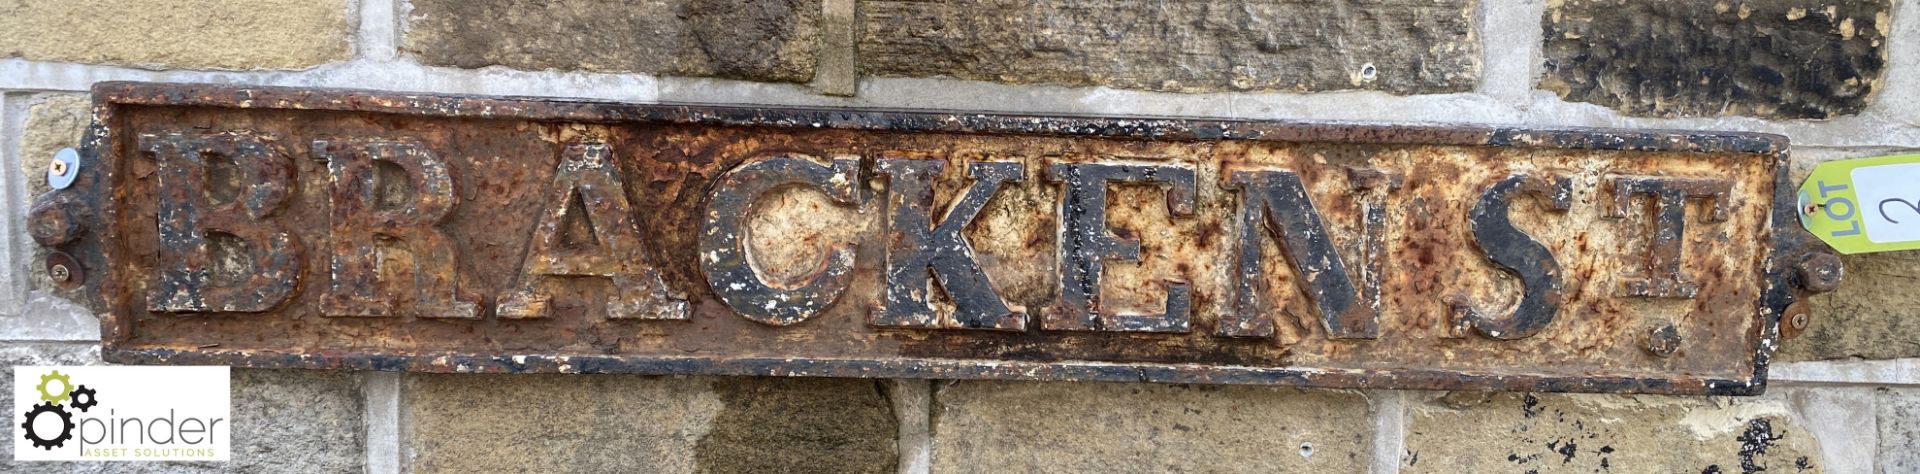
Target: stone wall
(1839, 78)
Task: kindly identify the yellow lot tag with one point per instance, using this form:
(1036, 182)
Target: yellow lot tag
(1864, 205)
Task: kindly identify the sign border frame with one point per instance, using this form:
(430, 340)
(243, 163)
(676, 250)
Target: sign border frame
(1784, 247)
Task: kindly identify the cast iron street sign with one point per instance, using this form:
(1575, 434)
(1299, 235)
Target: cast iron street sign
(266, 227)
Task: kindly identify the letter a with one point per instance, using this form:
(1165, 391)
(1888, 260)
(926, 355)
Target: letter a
(587, 175)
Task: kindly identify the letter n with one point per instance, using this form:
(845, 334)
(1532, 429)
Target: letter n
(1276, 202)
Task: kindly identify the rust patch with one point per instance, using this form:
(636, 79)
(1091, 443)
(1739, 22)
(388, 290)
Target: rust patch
(470, 234)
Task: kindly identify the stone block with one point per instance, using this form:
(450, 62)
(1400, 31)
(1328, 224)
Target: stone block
(1779, 59)
(297, 421)
(742, 39)
(191, 34)
(1841, 419)
(995, 427)
(1398, 46)
(1899, 431)
(1870, 316)
(1549, 433)
(619, 423)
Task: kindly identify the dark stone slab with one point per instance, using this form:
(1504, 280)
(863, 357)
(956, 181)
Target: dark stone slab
(1781, 59)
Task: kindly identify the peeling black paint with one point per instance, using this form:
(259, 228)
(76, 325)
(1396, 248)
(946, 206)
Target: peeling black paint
(1754, 442)
(1752, 58)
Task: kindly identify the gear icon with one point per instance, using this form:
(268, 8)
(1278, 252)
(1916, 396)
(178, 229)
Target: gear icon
(66, 385)
(66, 429)
(73, 398)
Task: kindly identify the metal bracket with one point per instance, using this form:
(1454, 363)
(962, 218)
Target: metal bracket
(1816, 270)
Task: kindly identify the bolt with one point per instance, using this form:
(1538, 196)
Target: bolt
(1664, 340)
(52, 223)
(1800, 320)
(59, 168)
(59, 273)
(1821, 272)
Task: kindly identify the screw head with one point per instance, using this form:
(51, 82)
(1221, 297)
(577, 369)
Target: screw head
(63, 169)
(64, 270)
(1795, 320)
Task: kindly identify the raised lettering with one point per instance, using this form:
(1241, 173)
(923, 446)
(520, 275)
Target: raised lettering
(1086, 243)
(1372, 186)
(916, 246)
(610, 247)
(188, 218)
(1277, 202)
(723, 240)
(1668, 198)
(1519, 254)
(360, 222)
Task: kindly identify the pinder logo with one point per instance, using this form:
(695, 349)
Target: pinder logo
(148, 413)
(54, 405)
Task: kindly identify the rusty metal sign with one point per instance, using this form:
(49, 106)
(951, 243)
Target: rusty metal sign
(267, 227)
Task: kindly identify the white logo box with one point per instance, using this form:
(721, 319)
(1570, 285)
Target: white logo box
(122, 413)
